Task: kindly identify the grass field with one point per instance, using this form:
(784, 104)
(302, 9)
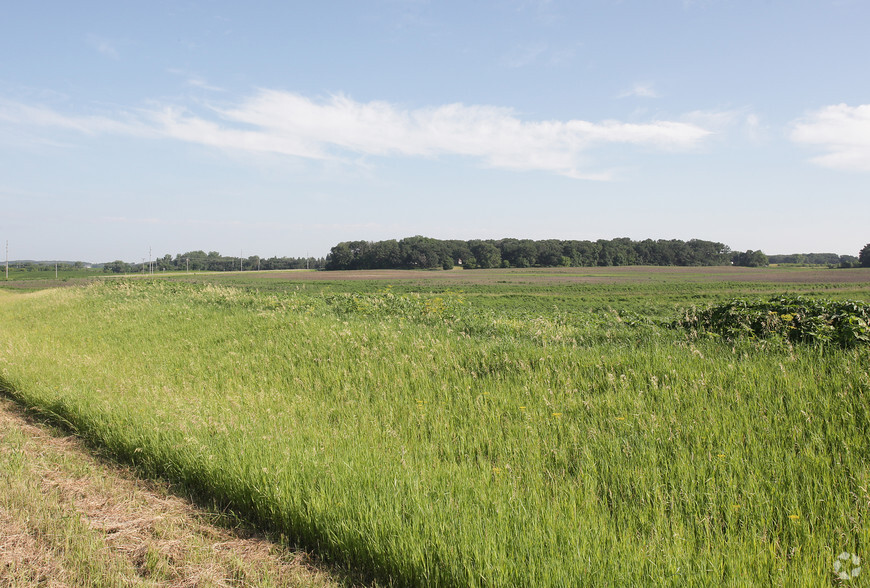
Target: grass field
(489, 428)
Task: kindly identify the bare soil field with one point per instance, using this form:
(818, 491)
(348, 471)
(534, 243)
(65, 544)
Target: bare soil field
(592, 275)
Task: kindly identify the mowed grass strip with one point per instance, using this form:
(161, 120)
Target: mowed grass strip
(68, 519)
(464, 449)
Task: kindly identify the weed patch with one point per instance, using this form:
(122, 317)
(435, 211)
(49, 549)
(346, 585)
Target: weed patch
(796, 319)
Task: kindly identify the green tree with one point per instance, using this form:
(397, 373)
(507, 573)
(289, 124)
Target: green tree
(458, 250)
(864, 256)
(549, 253)
(849, 261)
(385, 254)
(619, 251)
(163, 263)
(117, 267)
(422, 252)
(340, 257)
(582, 253)
(751, 258)
(518, 252)
(486, 254)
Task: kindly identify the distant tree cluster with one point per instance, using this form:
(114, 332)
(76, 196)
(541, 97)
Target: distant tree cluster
(214, 262)
(750, 258)
(829, 259)
(428, 253)
(46, 266)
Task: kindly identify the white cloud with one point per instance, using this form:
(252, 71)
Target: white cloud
(841, 130)
(544, 11)
(754, 129)
(41, 116)
(717, 121)
(641, 90)
(337, 127)
(524, 55)
(104, 46)
(195, 81)
(728, 125)
(198, 82)
(539, 53)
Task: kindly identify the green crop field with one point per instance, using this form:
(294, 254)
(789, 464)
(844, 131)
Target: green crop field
(483, 428)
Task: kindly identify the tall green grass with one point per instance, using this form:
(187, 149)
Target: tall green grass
(430, 441)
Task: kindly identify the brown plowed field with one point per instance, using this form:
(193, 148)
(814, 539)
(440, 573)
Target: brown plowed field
(599, 275)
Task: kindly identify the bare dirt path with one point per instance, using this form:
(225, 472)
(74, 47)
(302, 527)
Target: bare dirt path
(70, 519)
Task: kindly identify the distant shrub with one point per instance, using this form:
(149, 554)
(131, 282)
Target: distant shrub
(796, 319)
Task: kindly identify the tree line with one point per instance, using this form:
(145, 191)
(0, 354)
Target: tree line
(46, 266)
(428, 253)
(829, 259)
(213, 262)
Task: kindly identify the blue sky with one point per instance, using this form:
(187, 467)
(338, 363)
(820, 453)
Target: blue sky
(282, 128)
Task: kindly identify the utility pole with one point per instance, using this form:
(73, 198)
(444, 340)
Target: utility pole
(150, 267)
(240, 259)
(7, 259)
(188, 264)
(55, 270)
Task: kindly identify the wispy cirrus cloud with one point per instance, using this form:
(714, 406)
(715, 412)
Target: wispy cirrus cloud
(524, 55)
(841, 130)
(339, 127)
(641, 90)
(538, 54)
(104, 46)
(42, 116)
(198, 82)
(195, 81)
